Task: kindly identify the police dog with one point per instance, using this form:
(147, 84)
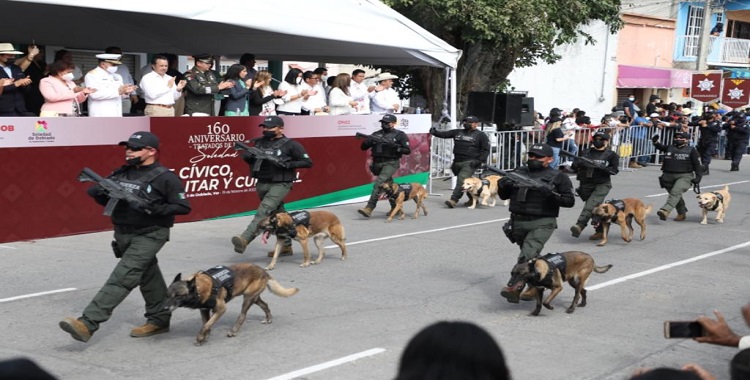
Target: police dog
(549, 272)
(485, 188)
(622, 212)
(301, 226)
(401, 192)
(715, 201)
(210, 291)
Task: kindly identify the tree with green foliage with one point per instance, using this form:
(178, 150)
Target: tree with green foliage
(497, 36)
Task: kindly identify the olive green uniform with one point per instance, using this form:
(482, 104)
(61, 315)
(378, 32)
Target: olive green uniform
(200, 90)
(385, 159)
(678, 168)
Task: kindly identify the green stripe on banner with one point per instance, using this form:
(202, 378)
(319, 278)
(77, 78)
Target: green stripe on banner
(337, 196)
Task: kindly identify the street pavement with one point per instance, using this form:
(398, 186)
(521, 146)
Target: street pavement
(352, 319)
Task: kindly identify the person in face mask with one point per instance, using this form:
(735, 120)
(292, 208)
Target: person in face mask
(594, 180)
(107, 100)
(680, 162)
(471, 147)
(391, 144)
(274, 178)
(61, 95)
(296, 94)
(534, 211)
(140, 231)
(628, 106)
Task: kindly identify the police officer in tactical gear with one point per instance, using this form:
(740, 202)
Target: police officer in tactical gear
(201, 86)
(274, 178)
(140, 232)
(594, 183)
(680, 162)
(470, 150)
(534, 211)
(737, 138)
(385, 157)
(710, 128)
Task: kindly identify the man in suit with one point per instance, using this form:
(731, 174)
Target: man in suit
(12, 101)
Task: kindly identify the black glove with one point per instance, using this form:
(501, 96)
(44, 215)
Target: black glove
(283, 164)
(696, 180)
(504, 182)
(655, 139)
(433, 130)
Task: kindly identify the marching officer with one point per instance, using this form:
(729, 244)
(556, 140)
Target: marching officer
(594, 183)
(201, 86)
(680, 162)
(471, 147)
(710, 128)
(275, 178)
(386, 155)
(737, 136)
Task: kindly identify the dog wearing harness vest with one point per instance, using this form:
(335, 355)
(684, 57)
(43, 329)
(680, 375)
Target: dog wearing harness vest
(210, 290)
(401, 192)
(715, 201)
(301, 226)
(622, 212)
(551, 270)
(484, 188)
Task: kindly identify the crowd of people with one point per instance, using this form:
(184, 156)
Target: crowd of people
(29, 86)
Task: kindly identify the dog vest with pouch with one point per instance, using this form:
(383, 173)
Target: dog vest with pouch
(222, 277)
(619, 206)
(554, 261)
(402, 188)
(300, 218)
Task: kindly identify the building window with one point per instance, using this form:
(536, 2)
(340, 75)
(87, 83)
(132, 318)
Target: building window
(693, 31)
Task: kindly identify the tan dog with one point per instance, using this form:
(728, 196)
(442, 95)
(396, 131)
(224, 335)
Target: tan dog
(301, 226)
(549, 272)
(485, 188)
(715, 201)
(622, 212)
(210, 291)
(400, 192)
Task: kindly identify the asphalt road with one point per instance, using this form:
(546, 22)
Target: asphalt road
(352, 319)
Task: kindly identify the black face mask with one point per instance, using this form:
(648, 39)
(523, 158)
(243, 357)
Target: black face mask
(467, 126)
(679, 143)
(535, 165)
(269, 134)
(599, 144)
(386, 126)
(134, 161)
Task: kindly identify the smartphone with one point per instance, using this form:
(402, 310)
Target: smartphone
(682, 329)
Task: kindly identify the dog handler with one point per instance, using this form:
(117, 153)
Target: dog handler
(534, 211)
(275, 178)
(594, 183)
(140, 232)
(470, 150)
(680, 162)
(385, 158)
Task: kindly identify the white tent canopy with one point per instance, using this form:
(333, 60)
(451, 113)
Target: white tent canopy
(336, 31)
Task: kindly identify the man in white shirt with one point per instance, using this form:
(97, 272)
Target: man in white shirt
(107, 100)
(360, 92)
(386, 99)
(122, 70)
(159, 89)
(315, 100)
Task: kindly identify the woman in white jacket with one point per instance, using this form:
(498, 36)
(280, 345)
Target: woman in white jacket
(291, 102)
(340, 101)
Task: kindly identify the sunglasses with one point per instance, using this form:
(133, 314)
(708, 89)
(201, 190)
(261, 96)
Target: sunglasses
(136, 149)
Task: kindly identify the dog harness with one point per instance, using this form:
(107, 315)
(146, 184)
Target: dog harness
(300, 218)
(554, 261)
(485, 182)
(716, 205)
(402, 188)
(221, 277)
(619, 206)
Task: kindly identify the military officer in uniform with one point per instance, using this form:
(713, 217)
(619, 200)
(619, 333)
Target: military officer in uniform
(107, 100)
(680, 162)
(534, 211)
(140, 231)
(202, 85)
(710, 128)
(594, 183)
(471, 147)
(274, 178)
(386, 155)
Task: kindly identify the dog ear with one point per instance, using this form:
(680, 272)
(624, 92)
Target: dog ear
(178, 277)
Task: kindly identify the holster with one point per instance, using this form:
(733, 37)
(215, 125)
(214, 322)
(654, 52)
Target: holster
(662, 182)
(116, 249)
(508, 230)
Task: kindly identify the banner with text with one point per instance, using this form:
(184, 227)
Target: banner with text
(736, 92)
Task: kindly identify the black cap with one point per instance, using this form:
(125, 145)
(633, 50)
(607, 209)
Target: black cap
(272, 121)
(541, 150)
(653, 97)
(388, 118)
(602, 135)
(684, 135)
(471, 119)
(141, 140)
(205, 58)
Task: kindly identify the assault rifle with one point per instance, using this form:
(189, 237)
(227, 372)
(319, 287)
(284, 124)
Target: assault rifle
(115, 191)
(377, 139)
(260, 156)
(523, 181)
(587, 162)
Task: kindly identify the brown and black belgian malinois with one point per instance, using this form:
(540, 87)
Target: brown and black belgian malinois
(551, 270)
(401, 192)
(206, 292)
(622, 212)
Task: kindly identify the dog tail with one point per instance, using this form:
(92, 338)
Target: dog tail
(648, 209)
(603, 269)
(279, 290)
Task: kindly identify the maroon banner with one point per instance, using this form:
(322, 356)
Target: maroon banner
(705, 87)
(736, 92)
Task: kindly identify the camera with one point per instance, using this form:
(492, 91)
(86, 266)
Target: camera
(683, 329)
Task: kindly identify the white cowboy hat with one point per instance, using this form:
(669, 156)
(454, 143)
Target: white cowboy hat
(6, 48)
(384, 76)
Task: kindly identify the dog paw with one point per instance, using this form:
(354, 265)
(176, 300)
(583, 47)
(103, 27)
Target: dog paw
(231, 334)
(471, 207)
(719, 220)
(704, 222)
(548, 306)
(388, 220)
(601, 244)
(304, 265)
(270, 267)
(534, 313)
(199, 342)
(266, 321)
(570, 310)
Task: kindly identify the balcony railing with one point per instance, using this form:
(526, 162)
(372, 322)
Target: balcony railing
(722, 51)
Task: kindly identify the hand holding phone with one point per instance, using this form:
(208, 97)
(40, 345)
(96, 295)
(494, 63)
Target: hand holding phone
(683, 329)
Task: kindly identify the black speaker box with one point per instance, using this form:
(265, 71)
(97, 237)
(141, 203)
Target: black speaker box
(527, 112)
(493, 107)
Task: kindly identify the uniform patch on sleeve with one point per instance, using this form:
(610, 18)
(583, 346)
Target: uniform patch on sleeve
(181, 196)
